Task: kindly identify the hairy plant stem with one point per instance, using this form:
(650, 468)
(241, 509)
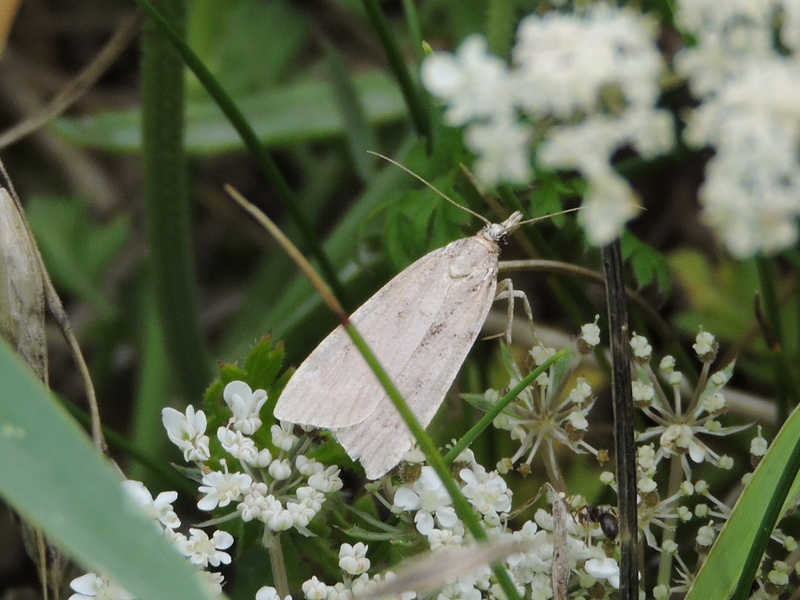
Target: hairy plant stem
(167, 203)
(277, 563)
(665, 562)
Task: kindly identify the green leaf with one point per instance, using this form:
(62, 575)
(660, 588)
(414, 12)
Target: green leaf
(52, 476)
(548, 199)
(479, 401)
(720, 294)
(358, 133)
(77, 250)
(377, 523)
(229, 35)
(302, 111)
(647, 263)
(263, 363)
(361, 534)
(420, 221)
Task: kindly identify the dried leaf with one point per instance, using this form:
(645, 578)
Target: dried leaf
(22, 291)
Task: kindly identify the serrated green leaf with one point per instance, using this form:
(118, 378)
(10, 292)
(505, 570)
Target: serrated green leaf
(303, 111)
(419, 221)
(50, 474)
(648, 264)
(263, 363)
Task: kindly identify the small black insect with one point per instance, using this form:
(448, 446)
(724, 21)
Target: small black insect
(603, 516)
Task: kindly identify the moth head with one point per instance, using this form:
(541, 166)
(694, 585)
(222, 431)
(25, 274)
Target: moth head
(497, 232)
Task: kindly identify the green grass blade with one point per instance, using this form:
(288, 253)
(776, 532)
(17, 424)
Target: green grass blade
(51, 474)
(415, 98)
(359, 135)
(732, 563)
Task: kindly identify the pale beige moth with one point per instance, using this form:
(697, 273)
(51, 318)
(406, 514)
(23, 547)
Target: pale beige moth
(421, 326)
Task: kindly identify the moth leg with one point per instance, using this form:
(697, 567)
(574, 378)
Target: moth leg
(506, 291)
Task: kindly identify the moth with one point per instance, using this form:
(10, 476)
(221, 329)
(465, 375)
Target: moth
(421, 326)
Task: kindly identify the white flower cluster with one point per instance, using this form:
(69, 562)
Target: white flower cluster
(675, 442)
(585, 83)
(488, 493)
(356, 581)
(280, 491)
(750, 115)
(199, 548)
(284, 489)
(552, 412)
(680, 427)
(283, 492)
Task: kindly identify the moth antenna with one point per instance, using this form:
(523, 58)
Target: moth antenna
(550, 216)
(431, 186)
(490, 199)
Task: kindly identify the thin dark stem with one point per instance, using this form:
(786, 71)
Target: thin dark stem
(623, 419)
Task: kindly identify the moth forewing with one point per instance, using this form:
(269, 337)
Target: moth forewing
(421, 326)
(380, 441)
(334, 387)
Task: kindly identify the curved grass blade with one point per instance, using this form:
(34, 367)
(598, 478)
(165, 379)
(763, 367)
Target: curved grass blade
(733, 561)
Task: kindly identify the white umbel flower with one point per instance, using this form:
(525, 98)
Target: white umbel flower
(282, 435)
(564, 61)
(91, 586)
(245, 405)
(502, 149)
(474, 83)
(280, 469)
(486, 491)
(590, 333)
(353, 558)
(187, 432)
(604, 568)
(222, 488)
(159, 509)
(203, 550)
(268, 592)
(275, 516)
(254, 502)
(326, 480)
(428, 497)
(566, 67)
(239, 446)
(314, 589)
(749, 115)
